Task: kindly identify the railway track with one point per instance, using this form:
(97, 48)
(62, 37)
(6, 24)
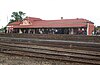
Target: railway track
(81, 57)
(91, 46)
(49, 51)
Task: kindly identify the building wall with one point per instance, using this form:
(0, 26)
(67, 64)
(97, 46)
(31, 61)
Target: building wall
(91, 28)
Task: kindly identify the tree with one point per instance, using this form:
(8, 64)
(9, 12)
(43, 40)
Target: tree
(17, 16)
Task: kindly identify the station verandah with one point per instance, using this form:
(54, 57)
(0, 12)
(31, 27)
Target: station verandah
(74, 31)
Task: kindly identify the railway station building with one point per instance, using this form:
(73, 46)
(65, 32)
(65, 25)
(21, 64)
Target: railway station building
(32, 25)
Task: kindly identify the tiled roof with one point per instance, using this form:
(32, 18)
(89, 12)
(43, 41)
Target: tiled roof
(15, 23)
(50, 26)
(32, 19)
(39, 23)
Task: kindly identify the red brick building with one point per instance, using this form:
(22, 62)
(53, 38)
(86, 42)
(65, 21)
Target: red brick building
(63, 26)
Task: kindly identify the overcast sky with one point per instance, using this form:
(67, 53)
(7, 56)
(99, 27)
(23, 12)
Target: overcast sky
(51, 9)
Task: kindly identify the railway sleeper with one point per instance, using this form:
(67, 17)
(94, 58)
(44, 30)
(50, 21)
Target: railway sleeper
(51, 49)
(54, 53)
(53, 57)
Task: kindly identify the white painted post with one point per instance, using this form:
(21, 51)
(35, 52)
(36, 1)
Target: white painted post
(72, 31)
(87, 28)
(20, 31)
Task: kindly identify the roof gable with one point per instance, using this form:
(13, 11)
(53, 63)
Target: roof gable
(26, 22)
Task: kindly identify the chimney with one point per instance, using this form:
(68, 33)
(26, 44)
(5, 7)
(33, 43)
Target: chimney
(77, 18)
(61, 17)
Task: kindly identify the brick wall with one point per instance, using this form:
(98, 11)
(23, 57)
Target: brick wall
(91, 28)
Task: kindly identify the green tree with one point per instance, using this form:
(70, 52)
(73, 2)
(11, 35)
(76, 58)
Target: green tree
(17, 16)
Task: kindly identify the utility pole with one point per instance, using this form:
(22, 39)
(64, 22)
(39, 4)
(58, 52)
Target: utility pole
(7, 19)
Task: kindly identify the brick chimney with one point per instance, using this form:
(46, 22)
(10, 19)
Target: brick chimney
(61, 17)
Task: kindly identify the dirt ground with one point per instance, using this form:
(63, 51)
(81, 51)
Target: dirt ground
(6, 59)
